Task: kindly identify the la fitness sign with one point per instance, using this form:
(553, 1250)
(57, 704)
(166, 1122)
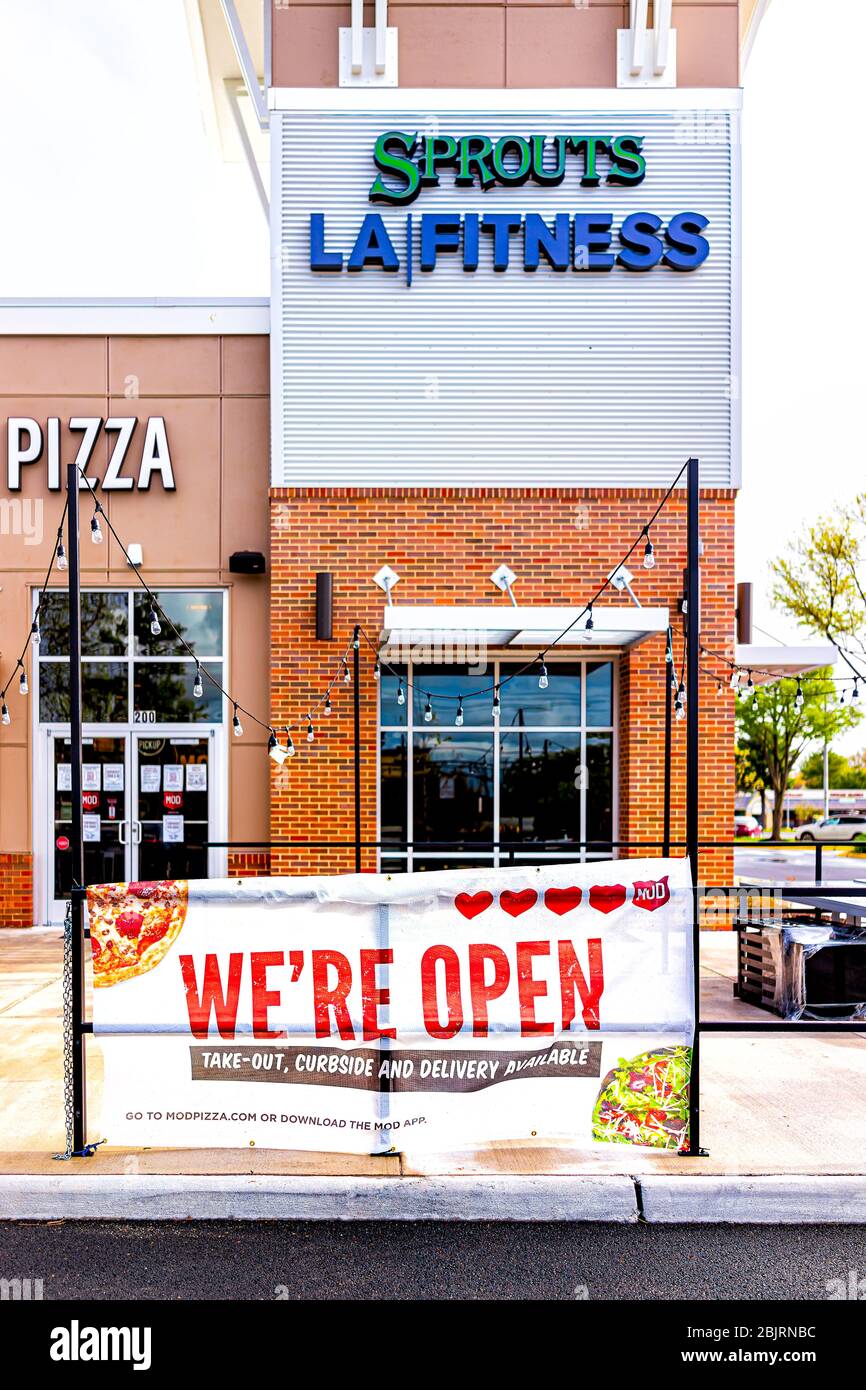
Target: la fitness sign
(136, 456)
(587, 240)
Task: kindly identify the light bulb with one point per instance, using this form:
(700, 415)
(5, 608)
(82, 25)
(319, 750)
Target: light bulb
(96, 531)
(669, 654)
(4, 714)
(401, 694)
(799, 698)
(356, 643)
(275, 752)
(347, 679)
(681, 692)
(428, 712)
(290, 747)
(311, 733)
(842, 696)
(62, 561)
(496, 704)
(197, 687)
(23, 687)
(376, 670)
(155, 625)
(458, 718)
(750, 684)
(543, 681)
(679, 710)
(35, 635)
(649, 559)
(589, 624)
(327, 707)
(237, 726)
(735, 679)
(855, 693)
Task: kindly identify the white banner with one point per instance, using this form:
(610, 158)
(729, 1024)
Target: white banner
(375, 1013)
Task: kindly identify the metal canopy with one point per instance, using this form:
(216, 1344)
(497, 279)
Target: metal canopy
(781, 661)
(501, 626)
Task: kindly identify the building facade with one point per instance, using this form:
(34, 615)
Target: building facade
(504, 311)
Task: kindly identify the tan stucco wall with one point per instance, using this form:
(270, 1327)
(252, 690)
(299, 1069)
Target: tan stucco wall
(213, 393)
(504, 43)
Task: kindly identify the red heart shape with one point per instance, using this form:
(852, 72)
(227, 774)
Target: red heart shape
(561, 900)
(515, 903)
(606, 897)
(470, 904)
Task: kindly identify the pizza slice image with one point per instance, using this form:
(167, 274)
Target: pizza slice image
(132, 926)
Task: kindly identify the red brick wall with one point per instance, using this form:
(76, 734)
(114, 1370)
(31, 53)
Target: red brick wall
(252, 864)
(16, 889)
(444, 543)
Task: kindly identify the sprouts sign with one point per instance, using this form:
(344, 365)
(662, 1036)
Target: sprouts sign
(591, 239)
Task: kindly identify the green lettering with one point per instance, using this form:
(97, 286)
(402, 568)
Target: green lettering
(386, 160)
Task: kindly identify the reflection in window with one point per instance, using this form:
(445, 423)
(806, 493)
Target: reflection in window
(599, 694)
(556, 707)
(198, 617)
(453, 787)
(104, 693)
(104, 624)
(539, 780)
(166, 688)
(393, 770)
(442, 683)
(599, 786)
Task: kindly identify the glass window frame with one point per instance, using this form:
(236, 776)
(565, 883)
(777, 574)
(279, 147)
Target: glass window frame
(130, 658)
(403, 858)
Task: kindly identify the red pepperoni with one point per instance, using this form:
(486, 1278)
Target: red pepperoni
(142, 890)
(129, 923)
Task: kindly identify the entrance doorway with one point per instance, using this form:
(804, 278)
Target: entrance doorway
(149, 803)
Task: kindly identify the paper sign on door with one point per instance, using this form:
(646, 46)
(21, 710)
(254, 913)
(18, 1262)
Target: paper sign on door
(92, 829)
(172, 777)
(172, 830)
(150, 779)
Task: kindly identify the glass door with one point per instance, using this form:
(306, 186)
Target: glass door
(104, 804)
(171, 805)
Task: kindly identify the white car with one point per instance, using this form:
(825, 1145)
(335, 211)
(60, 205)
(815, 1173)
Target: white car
(838, 829)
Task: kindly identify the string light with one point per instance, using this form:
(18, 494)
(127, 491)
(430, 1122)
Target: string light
(589, 624)
(799, 698)
(377, 670)
(155, 625)
(290, 747)
(428, 712)
(95, 529)
(23, 687)
(543, 681)
(496, 705)
(311, 733)
(326, 708)
(275, 752)
(735, 679)
(401, 693)
(35, 634)
(679, 709)
(750, 684)
(649, 558)
(681, 692)
(855, 693)
(347, 679)
(458, 718)
(237, 726)
(4, 714)
(197, 687)
(62, 560)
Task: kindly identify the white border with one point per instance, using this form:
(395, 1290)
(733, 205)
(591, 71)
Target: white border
(138, 317)
(494, 99)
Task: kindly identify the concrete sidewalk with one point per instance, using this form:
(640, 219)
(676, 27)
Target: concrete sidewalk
(784, 1119)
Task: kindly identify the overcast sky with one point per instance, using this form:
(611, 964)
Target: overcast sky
(103, 129)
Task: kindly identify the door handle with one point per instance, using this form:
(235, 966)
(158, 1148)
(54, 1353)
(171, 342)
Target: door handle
(136, 832)
(121, 827)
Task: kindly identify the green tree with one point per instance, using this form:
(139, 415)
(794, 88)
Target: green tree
(774, 730)
(752, 773)
(843, 771)
(821, 581)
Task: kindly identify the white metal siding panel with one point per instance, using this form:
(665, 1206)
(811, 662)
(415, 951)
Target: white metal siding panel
(569, 379)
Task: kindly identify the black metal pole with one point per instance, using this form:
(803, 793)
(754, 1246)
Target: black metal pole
(356, 678)
(669, 712)
(76, 829)
(693, 634)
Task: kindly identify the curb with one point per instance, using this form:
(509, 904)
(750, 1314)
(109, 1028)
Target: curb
(777, 1199)
(253, 1197)
(767, 1199)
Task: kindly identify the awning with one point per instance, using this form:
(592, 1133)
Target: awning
(781, 661)
(501, 626)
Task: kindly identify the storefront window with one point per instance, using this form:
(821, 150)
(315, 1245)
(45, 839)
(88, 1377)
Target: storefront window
(540, 780)
(140, 684)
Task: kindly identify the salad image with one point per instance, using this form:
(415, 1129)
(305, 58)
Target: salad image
(646, 1101)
